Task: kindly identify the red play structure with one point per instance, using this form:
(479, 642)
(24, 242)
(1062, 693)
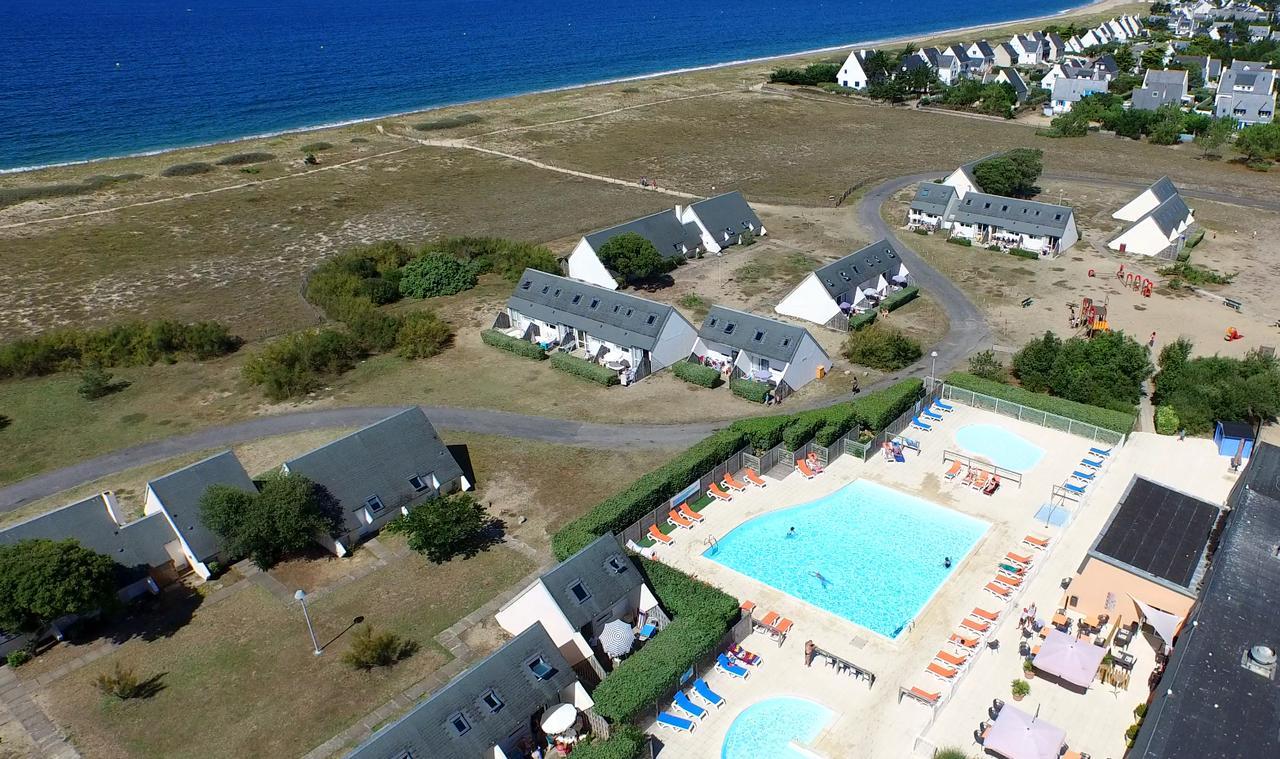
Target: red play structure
(1136, 281)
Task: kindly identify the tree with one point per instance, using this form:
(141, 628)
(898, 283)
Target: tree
(633, 257)
(42, 580)
(1206, 389)
(285, 516)
(987, 366)
(1259, 142)
(1070, 124)
(881, 347)
(422, 335)
(1153, 58)
(443, 527)
(1167, 127)
(96, 382)
(371, 649)
(1123, 56)
(1014, 173)
(1034, 363)
(435, 274)
(1213, 138)
(1107, 370)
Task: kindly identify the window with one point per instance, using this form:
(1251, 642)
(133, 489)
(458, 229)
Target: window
(652, 318)
(786, 341)
(557, 292)
(1057, 217)
(618, 565)
(616, 308)
(373, 503)
(987, 205)
(576, 298)
(759, 335)
(712, 321)
(594, 302)
(525, 285)
(492, 701)
(579, 592)
(630, 311)
(1004, 208)
(844, 276)
(728, 328)
(764, 364)
(459, 724)
(419, 483)
(540, 668)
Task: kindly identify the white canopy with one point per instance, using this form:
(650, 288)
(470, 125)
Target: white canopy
(1166, 625)
(1070, 658)
(1018, 735)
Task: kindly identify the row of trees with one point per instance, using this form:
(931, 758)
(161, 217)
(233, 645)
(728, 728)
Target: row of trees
(1108, 370)
(995, 99)
(1012, 173)
(1196, 392)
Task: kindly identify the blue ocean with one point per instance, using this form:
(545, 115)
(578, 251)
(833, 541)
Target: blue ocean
(83, 79)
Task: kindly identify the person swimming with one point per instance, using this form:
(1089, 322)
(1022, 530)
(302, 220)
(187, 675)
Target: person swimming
(791, 533)
(825, 582)
(947, 562)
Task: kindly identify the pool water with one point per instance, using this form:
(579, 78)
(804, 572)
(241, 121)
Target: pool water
(1002, 447)
(764, 730)
(879, 551)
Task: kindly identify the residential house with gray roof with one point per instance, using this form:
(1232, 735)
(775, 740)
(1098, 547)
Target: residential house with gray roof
(1246, 94)
(1160, 88)
(854, 283)
(1043, 228)
(490, 710)
(177, 496)
(634, 335)
(1068, 92)
(672, 237)
(722, 220)
(377, 473)
(1161, 222)
(932, 204)
(1010, 76)
(783, 355)
(983, 54)
(576, 598)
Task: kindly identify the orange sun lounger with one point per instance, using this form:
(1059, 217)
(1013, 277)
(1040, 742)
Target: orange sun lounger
(956, 466)
(657, 535)
(976, 626)
(771, 619)
(999, 590)
(980, 481)
(732, 483)
(924, 695)
(1035, 541)
(674, 518)
(962, 641)
(1019, 558)
(784, 625)
(748, 607)
(952, 659)
(804, 469)
(937, 670)
(716, 492)
(690, 514)
(982, 613)
(1009, 580)
(753, 478)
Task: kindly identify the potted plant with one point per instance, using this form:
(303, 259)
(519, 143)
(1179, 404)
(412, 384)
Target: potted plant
(1020, 689)
(1028, 669)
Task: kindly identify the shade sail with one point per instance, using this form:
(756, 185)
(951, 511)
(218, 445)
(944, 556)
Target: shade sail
(559, 719)
(1018, 735)
(616, 638)
(1070, 658)
(1165, 624)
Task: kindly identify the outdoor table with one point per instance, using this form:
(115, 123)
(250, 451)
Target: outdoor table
(1124, 636)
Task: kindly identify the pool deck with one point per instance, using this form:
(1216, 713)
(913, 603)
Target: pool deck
(872, 722)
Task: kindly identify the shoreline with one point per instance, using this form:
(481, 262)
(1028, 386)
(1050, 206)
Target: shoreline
(1088, 7)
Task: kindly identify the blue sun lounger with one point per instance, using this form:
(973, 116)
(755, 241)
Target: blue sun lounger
(1074, 488)
(705, 693)
(1104, 452)
(680, 724)
(915, 422)
(1091, 463)
(907, 442)
(927, 414)
(726, 665)
(944, 406)
(683, 703)
(1085, 476)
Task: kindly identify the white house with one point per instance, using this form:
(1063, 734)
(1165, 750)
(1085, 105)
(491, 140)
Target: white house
(177, 496)
(672, 237)
(1043, 228)
(722, 221)
(853, 73)
(982, 52)
(1091, 38)
(1026, 48)
(762, 349)
(933, 204)
(1075, 45)
(1005, 55)
(1160, 220)
(575, 599)
(944, 65)
(1068, 92)
(634, 335)
(1009, 75)
(854, 283)
(1246, 94)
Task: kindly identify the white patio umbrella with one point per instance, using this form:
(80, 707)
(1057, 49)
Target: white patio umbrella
(1070, 658)
(1018, 735)
(616, 638)
(559, 719)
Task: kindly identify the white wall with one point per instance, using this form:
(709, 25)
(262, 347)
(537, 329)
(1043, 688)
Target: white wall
(150, 505)
(851, 73)
(1069, 236)
(1138, 207)
(536, 605)
(675, 342)
(809, 301)
(803, 368)
(709, 242)
(584, 265)
(960, 182)
(1143, 238)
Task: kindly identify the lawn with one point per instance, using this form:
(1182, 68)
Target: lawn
(240, 678)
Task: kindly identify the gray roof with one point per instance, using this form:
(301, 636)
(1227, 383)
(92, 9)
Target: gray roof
(1245, 106)
(1074, 90)
(859, 266)
(729, 212)
(1207, 705)
(1151, 98)
(426, 732)
(933, 198)
(622, 319)
(1163, 189)
(1016, 81)
(379, 460)
(1107, 63)
(985, 49)
(1238, 65)
(758, 335)
(663, 229)
(1215, 68)
(1028, 217)
(605, 586)
(1169, 214)
(135, 546)
(180, 492)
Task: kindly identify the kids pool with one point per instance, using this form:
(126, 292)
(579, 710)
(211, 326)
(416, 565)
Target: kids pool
(1002, 447)
(767, 728)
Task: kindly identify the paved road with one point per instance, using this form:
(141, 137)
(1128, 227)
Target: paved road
(968, 333)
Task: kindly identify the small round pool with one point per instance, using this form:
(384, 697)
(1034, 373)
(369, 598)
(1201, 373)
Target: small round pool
(767, 728)
(1000, 446)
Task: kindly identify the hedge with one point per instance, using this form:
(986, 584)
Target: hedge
(508, 343)
(1116, 421)
(1167, 421)
(961, 241)
(900, 298)
(1021, 253)
(749, 389)
(695, 374)
(762, 433)
(135, 343)
(625, 742)
(877, 410)
(580, 367)
(803, 429)
(864, 319)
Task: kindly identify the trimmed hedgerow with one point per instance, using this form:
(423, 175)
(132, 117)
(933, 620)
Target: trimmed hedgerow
(900, 298)
(580, 367)
(508, 343)
(877, 410)
(625, 742)
(963, 242)
(695, 374)
(187, 169)
(1023, 253)
(764, 432)
(802, 429)
(864, 319)
(1116, 421)
(244, 159)
(749, 389)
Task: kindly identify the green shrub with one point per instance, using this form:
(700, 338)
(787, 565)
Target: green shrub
(371, 649)
(1020, 687)
(696, 374)
(315, 147)
(244, 159)
(508, 343)
(300, 363)
(950, 753)
(187, 169)
(507, 258)
(1021, 253)
(422, 334)
(13, 195)
(123, 684)
(1195, 239)
(802, 429)
(625, 742)
(580, 367)
(448, 122)
(813, 74)
(864, 319)
(17, 658)
(127, 344)
(436, 274)
(1116, 421)
(900, 298)
(374, 330)
(750, 389)
(96, 382)
(1140, 712)
(1167, 422)
(1196, 275)
(987, 366)
(879, 409)
(963, 242)
(881, 347)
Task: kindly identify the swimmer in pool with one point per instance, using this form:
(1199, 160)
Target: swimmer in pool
(825, 582)
(791, 533)
(947, 562)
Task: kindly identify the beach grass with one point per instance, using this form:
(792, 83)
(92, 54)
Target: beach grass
(244, 159)
(448, 122)
(187, 169)
(10, 196)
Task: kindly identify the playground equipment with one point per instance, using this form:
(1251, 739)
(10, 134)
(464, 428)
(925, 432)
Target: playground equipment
(1233, 334)
(1093, 317)
(1135, 281)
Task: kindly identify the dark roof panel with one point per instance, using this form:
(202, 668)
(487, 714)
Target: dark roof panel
(617, 317)
(603, 585)
(180, 492)
(729, 212)
(859, 266)
(1159, 531)
(778, 341)
(663, 229)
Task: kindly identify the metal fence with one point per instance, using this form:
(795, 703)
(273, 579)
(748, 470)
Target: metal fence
(1035, 416)
(658, 516)
(734, 635)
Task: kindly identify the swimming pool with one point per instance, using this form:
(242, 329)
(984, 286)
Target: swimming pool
(765, 729)
(879, 551)
(1002, 447)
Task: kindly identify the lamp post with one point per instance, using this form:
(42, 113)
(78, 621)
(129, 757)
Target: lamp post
(302, 599)
(933, 369)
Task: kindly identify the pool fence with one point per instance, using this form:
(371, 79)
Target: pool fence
(1011, 475)
(1035, 416)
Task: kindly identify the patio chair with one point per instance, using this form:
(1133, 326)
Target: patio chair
(974, 625)
(982, 613)
(690, 514)
(704, 692)
(682, 702)
(927, 414)
(956, 466)
(804, 469)
(940, 671)
(915, 422)
(747, 607)
(1091, 463)
(921, 694)
(753, 478)
(1018, 558)
(1084, 476)
(674, 519)
(658, 537)
(672, 722)
(996, 706)
(980, 480)
(963, 642)
(771, 619)
(943, 405)
(727, 666)
(733, 483)
(1000, 591)
(1037, 541)
(715, 492)
(952, 659)
(1009, 580)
